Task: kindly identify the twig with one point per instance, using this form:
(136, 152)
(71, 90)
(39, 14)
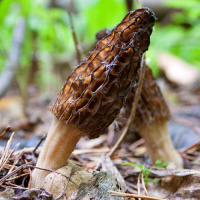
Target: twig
(28, 165)
(190, 147)
(10, 155)
(133, 109)
(5, 131)
(39, 143)
(143, 184)
(12, 63)
(138, 185)
(129, 4)
(16, 177)
(14, 186)
(75, 152)
(13, 172)
(15, 162)
(77, 45)
(139, 4)
(136, 144)
(121, 194)
(4, 157)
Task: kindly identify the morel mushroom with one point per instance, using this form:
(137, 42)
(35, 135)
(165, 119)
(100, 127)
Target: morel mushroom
(151, 119)
(95, 92)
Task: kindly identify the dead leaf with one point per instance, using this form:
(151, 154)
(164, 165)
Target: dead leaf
(177, 70)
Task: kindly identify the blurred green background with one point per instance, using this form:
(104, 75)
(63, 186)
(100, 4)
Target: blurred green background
(48, 49)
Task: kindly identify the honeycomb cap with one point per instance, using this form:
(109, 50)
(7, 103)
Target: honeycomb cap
(152, 107)
(96, 90)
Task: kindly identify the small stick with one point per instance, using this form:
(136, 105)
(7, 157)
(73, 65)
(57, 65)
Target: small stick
(133, 110)
(6, 160)
(6, 149)
(139, 4)
(190, 147)
(28, 165)
(39, 143)
(13, 172)
(138, 185)
(129, 4)
(143, 184)
(77, 45)
(121, 194)
(75, 152)
(5, 131)
(15, 162)
(16, 177)
(14, 186)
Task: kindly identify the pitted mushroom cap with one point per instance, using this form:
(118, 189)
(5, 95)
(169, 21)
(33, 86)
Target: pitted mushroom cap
(152, 107)
(96, 90)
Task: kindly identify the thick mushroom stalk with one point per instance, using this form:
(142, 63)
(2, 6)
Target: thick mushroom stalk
(151, 119)
(95, 92)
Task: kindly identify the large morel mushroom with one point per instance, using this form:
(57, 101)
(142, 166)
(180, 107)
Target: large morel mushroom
(95, 92)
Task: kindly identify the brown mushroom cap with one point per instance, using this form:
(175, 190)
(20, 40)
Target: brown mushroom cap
(96, 90)
(151, 106)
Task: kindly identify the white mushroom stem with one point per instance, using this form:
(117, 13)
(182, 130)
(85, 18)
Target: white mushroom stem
(159, 144)
(61, 141)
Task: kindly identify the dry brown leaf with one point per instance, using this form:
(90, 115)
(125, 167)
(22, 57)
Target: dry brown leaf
(176, 184)
(56, 183)
(177, 70)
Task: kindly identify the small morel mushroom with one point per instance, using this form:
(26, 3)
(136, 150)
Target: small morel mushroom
(95, 92)
(151, 119)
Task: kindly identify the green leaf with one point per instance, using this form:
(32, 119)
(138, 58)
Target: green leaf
(4, 8)
(160, 163)
(104, 14)
(26, 7)
(136, 165)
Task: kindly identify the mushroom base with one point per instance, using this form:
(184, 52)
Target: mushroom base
(61, 141)
(159, 144)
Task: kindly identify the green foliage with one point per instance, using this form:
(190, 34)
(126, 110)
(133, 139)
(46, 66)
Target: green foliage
(103, 14)
(160, 163)
(181, 37)
(144, 170)
(4, 7)
(48, 32)
(191, 10)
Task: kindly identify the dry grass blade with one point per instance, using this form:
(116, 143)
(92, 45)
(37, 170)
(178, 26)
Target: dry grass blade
(15, 162)
(121, 194)
(39, 143)
(6, 149)
(5, 156)
(16, 177)
(25, 166)
(13, 172)
(138, 185)
(8, 157)
(143, 184)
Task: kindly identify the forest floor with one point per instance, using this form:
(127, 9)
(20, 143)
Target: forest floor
(23, 131)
